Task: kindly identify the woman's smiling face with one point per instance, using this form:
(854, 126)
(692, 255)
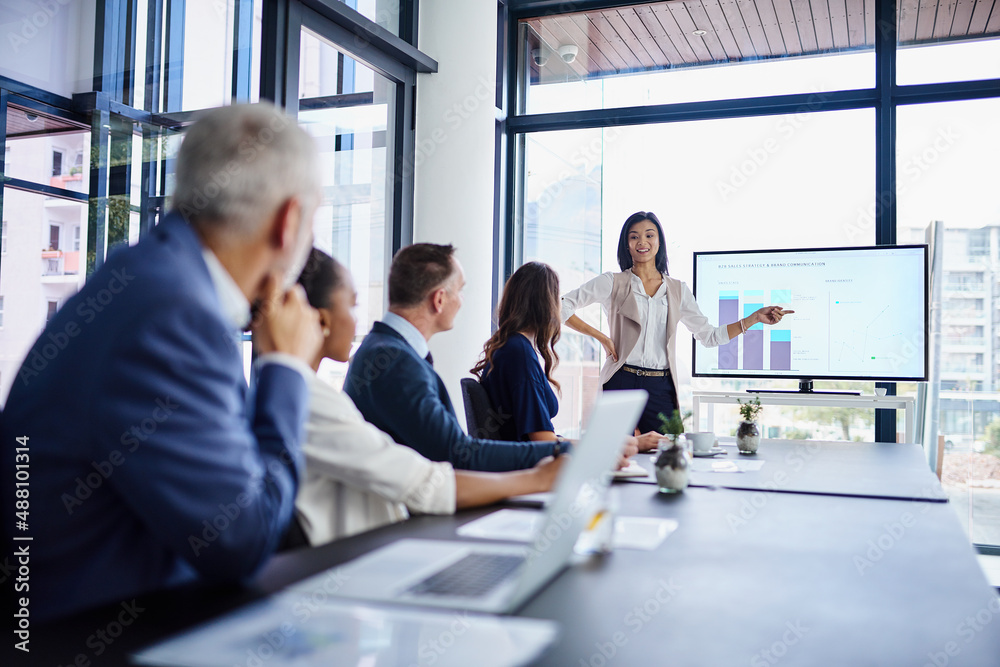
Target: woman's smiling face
(643, 242)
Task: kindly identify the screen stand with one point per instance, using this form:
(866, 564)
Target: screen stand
(805, 387)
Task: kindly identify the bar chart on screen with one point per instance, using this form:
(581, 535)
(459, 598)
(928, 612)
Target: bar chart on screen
(859, 312)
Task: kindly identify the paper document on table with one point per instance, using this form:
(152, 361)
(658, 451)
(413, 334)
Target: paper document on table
(725, 465)
(633, 469)
(642, 532)
(506, 524)
(520, 525)
(287, 630)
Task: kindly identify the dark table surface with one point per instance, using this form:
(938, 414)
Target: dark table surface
(748, 577)
(864, 469)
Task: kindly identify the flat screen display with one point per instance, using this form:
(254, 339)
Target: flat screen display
(860, 313)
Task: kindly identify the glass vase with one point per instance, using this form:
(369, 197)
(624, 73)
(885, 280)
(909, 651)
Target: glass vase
(747, 437)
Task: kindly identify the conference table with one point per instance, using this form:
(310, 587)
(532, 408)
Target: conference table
(872, 470)
(805, 574)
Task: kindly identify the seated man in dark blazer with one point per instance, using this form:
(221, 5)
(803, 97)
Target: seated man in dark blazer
(391, 378)
(149, 467)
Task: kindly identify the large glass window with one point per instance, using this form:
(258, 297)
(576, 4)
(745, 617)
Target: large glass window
(796, 180)
(946, 154)
(348, 108)
(49, 45)
(42, 270)
(174, 59)
(208, 54)
(670, 52)
(42, 263)
(947, 41)
(386, 13)
(46, 149)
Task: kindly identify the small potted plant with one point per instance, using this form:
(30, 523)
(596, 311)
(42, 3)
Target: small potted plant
(673, 426)
(748, 434)
(672, 461)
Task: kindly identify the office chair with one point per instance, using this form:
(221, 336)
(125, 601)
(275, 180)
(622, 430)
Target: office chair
(477, 409)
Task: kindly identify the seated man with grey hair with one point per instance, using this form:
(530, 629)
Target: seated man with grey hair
(151, 463)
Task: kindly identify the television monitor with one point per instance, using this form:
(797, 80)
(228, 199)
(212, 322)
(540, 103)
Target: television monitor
(860, 313)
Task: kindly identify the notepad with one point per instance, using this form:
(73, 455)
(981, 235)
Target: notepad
(726, 465)
(633, 469)
(514, 525)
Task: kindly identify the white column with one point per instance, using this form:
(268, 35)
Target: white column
(454, 166)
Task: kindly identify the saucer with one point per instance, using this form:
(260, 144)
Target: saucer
(714, 451)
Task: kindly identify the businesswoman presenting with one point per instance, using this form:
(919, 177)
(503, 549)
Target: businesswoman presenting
(643, 305)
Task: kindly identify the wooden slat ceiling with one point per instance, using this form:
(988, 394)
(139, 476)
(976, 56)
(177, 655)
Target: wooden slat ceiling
(662, 35)
(24, 123)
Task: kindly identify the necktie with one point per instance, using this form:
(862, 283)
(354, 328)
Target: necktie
(430, 358)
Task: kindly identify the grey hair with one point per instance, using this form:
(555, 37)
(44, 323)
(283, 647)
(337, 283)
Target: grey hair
(239, 163)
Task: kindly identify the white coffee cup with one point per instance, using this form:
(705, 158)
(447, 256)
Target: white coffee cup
(880, 391)
(701, 442)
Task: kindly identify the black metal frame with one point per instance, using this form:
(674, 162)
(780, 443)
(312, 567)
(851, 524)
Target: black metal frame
(885, 167)
(885, 97)
(987, 549)
(500, 173)
(242, 50)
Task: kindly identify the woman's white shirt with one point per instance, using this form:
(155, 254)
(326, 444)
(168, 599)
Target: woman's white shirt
(357, 477)
(650, 350)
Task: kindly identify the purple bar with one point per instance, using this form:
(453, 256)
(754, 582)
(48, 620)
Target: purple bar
(729, 312)
(781, 355)
(753, 350)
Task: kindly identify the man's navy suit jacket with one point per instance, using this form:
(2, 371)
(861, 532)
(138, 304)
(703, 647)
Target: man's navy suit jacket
(148, 467)
(400, 393)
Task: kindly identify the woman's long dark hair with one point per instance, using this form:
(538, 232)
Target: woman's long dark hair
(530, 302)
(320, 276)
(625, 257)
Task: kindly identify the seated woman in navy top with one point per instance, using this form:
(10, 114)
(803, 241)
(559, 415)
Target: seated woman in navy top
(518, 360)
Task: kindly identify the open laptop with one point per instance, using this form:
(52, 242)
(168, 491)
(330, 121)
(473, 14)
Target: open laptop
(492, 577)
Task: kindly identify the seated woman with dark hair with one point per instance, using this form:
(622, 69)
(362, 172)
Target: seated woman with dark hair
(519, 359)
(357, 477)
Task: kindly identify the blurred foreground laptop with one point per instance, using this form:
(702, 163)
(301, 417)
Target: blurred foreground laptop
(497, 578)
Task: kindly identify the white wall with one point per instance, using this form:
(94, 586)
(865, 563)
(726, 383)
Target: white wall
(49, 44)
(454, 166)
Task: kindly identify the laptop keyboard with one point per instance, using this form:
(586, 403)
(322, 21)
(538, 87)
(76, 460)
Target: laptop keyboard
(471, 576)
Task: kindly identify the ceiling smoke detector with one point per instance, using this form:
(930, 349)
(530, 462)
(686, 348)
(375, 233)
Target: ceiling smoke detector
(568, 52)
(539, 56)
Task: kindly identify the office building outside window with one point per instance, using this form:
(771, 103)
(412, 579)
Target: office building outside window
(40, 266)
(943, 153)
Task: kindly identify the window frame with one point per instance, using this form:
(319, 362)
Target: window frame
(884, 98)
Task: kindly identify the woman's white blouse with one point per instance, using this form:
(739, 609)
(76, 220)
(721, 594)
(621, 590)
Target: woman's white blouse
(650, 350)
(357, 477)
